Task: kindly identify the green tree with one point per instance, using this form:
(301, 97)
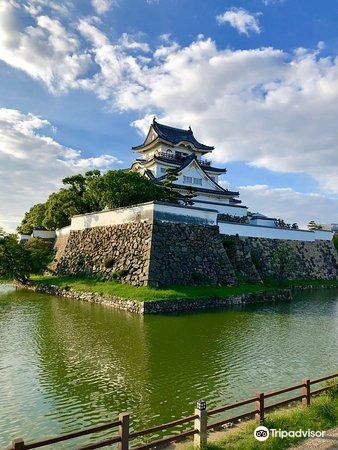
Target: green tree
(282, 259)
(119, 188)
(80, 185)
(93, 192)
(14, 259)
(189, 196)
(312, 225)
(33, 219)
(61, 206)
(168, 183)
(41, 253)
(2, 233)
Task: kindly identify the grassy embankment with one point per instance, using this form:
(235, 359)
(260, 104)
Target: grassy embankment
(145, 293)
(321, 415)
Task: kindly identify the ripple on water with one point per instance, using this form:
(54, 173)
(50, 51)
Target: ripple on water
(66, 365)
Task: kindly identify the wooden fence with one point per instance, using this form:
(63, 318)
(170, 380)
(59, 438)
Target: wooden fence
(123, 437)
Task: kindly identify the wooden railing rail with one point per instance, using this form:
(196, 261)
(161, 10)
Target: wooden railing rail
(19, 444)
(200, 418)
(163, 427)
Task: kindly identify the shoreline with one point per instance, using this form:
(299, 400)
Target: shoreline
(160, 306)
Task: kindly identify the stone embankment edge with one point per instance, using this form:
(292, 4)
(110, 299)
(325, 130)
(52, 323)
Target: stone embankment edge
(170, 306)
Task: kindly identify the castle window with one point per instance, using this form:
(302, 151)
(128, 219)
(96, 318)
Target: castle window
(187, 180)
(197, 181)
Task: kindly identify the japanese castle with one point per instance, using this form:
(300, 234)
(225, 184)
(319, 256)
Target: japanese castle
(169, 151)
(172, 148)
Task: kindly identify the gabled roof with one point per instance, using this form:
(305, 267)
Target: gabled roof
(185, 164)
(175, 136)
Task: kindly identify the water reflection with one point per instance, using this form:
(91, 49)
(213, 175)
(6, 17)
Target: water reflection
(66, 364)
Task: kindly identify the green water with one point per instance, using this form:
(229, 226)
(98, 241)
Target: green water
(65, 364)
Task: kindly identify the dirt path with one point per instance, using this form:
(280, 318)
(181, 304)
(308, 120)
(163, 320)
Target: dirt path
(329, 442)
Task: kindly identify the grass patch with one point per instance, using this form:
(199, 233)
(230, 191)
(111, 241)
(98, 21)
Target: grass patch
(146, 293)
(320, 416)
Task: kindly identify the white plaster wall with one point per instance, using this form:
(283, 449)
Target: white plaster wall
(222, 209)
(113, 217)
(272, 233)
(323, 235)
(63, 231)
(184, 214)
(263, 222)
(144, 212)
(24, 237)
(43, 234)
(212, 199)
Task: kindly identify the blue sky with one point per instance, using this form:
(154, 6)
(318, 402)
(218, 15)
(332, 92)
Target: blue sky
(81, 80)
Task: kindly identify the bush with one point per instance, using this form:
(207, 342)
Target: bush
(109, 262)
(118, 274)
(228, 243)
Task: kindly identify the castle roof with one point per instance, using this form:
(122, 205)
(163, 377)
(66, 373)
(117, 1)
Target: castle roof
(175, 136)
(220, 190)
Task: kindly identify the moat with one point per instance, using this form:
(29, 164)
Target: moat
(67, 364)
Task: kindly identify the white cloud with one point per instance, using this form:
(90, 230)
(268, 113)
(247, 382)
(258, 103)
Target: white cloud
(263, 106)
(240, 19)
(102, 6)
(33, 164)
(44, 50)
(270, 108)
(290, 205)
(36, 7)
(128, 42)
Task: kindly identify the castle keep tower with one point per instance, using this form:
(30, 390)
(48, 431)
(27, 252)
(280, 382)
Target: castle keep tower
(172, 148)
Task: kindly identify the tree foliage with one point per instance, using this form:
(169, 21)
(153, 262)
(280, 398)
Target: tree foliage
(119, 188)
(18, 261)
(14, 259)
(41, 253)
(92, 192)
(33, 219)
(312, 225)
(168, 183)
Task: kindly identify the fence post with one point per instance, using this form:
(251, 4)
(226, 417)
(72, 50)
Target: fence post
(200, 438)
(124, 431)
(18, 444)
(260, 407)
(306, 391)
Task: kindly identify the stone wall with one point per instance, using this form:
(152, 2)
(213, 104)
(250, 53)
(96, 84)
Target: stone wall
(188, 254)
(119, 251)
(147, 253)
(163, 306)
(159, 253)
(253, 258)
